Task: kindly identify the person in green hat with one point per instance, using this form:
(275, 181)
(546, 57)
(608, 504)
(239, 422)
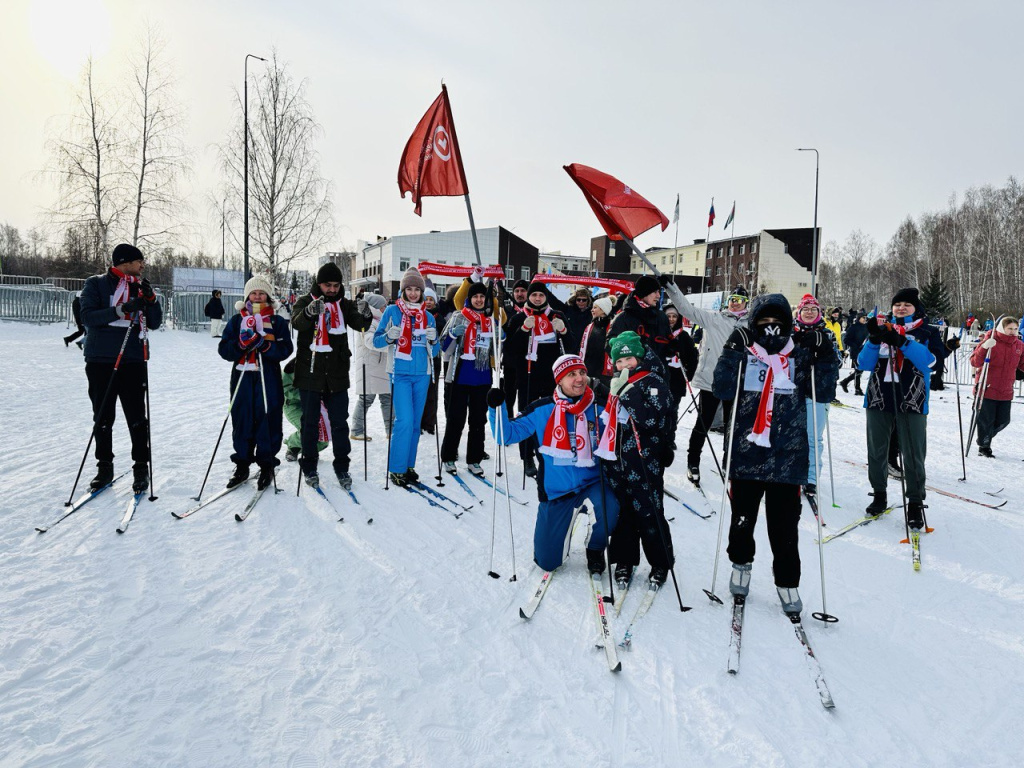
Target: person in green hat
(638, 445)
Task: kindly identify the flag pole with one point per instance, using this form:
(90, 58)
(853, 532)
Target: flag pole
(707, 245)
(675, 247)
(472, 223)
(732, 237)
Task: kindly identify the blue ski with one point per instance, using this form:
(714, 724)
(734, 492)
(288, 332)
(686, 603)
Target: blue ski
(466, 488)
(438, 494)
(500, 490)
(426, 497)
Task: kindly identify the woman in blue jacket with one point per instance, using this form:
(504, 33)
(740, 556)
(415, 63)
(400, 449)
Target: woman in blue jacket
(256, 339)
(408, 332)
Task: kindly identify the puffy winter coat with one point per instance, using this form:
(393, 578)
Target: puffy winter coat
(541, 380)
(595, 355)
(331, 371)
(280, 349)
(422, 352)
(1007, 357)
(716, 328)
(103, 341)
(577, 319)
(785, 461)
(214, 309)
(649, 323)
(375, 360)
(553, 479)
(856, 335)
(826, 372)
(923, 346)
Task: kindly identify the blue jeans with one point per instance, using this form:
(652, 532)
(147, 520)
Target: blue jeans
(408, 398)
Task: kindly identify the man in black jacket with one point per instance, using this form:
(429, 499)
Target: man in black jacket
(116, 305)
(641, 315)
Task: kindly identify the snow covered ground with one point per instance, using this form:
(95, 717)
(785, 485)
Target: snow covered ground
(295, 640)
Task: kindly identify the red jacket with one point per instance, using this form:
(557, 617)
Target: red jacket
(1007, 357)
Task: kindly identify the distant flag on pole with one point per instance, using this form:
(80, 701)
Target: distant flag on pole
(619, 209)
(431, 163)
(732, 215)
(711, 215)
(675, 216)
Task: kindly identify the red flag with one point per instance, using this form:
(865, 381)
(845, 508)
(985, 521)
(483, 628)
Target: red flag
(431, 164)
(620, 210)
(711, 214)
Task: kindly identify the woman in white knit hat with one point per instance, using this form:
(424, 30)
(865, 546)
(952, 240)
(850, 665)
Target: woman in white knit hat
(409, 334)
(256, 340)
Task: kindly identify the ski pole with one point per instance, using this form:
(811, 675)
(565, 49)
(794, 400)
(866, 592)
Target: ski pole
(145, 383)
(822, 615)
(99, 414)
(387, 468)
(725, 479)
(437, 434)
(363, 398)
(238, 385)
(831, 472)
(959, 413)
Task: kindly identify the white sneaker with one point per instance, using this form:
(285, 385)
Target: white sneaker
(449, 466)
(475, 469)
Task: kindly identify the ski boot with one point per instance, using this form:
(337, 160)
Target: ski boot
(792, 605)
(104, 475)
(878, 505)
(140, 479)
(693, 472)
(811, 494)
(845, 384)
(266, 478)
(985, 450)
(411, 476)
(312, 478)
(449, 467)
(530, 466)
(622, 575)
(240, 476)
(739, 581)
(658, 576)
(398, 478)
(915, 515)
(475, 469)
(345, 480)
(292, 454)
(595, 560)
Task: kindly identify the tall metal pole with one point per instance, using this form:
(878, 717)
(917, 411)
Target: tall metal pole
(814, 243)
(223, 232)
(245, 184)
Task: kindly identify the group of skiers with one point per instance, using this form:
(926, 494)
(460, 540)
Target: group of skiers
(591, 393)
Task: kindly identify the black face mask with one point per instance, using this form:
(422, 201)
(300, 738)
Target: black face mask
(771, 337)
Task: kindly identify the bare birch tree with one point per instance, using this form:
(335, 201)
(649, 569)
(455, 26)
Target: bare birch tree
(290, 202)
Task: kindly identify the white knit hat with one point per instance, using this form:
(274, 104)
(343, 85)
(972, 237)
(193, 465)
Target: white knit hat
(256, 283)
(606, 304)
(429, 293)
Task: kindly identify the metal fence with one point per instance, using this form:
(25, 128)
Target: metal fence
(188, 309)
(35, 303)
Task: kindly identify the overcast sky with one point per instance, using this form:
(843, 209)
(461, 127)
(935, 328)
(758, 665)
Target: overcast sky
(907, 102)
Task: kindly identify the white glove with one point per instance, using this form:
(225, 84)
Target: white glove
(431, 334)
(315, 307)
(989, 343)
(477, 275)
(558, 325)
(619, 382)
(529, 322)
(392, 333)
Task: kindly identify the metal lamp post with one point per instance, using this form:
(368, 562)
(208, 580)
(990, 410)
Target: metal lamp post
(814, 245)
(245, 184)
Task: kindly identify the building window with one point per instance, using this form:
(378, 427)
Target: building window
(753, 247)
(753, 265)
(743, 249)
(719, 270)
(740, 269)
(524, 273)
(707, 272)
(710, 254)
(403, 265)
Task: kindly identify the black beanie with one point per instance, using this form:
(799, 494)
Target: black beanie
(521, 284)
(474, 289)
(329, 273)
(126, 252)
(646, 285)
(910, 296)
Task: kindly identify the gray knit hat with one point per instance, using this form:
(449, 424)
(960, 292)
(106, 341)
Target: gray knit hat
(412, 278)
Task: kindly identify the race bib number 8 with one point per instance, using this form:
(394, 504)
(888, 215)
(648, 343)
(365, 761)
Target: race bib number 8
(753, 379)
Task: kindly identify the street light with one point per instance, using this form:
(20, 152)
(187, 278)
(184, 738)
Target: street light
(245, 184)
(814, 245)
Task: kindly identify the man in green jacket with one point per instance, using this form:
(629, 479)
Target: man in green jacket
(322, 319)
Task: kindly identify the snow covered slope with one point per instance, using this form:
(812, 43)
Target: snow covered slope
(295, 640)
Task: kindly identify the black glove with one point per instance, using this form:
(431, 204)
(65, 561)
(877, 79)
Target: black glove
(665, 280)
(739, 339)
(892, 338)
(495, 398)
(147, 289)
(874, 331)
(668, 454)
(811, 339)
(134, 305)
(953, 344)
(315, 307)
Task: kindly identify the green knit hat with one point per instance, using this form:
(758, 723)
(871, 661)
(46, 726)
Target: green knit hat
(627, 344)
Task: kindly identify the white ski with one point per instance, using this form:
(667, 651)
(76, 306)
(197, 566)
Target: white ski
(538, 595)
(597, 586)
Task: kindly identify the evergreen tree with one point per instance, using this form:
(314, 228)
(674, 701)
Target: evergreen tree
(936, 299)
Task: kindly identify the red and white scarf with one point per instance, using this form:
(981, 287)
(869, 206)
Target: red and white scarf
(609, 369)
(479, 327)
(414, 321)
(896, 361)
(776, 378)
(543, 332)
(675, 362)
(324, 427)
(608, 446)
(254, 322)
(556, 434)
(122, 293)
(330, 323)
